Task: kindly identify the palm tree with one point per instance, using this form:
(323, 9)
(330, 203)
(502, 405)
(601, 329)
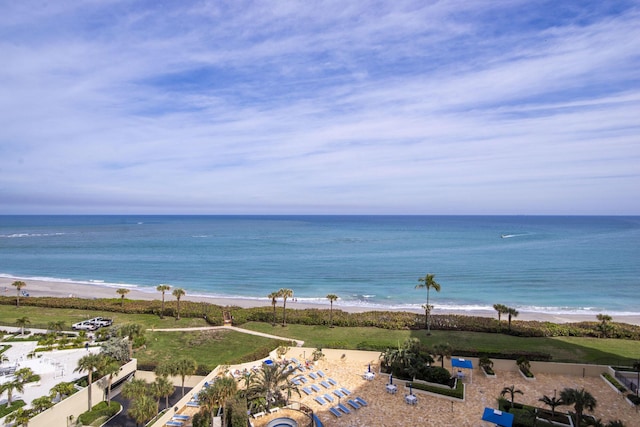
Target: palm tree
(208, 401)
(20, 417)
(501, 309)
(143, 408)
(184, 367)
(134, 388)
(18, 285)
(178, 293)
(429, 283)
(110, 367)
(56, 326)
(163, 289)
(285, 293)
(274, 300)
(41, 404)
(580, 399)
(331, 298)
(22, 322)
(163, 388)
(512, 312)
(442, 351)
(89, 363)
(512, 391)
(62, 389)
(272, 383)
(131, 331)
(122, 292)
(10, 387)
(225, 388)
(552, 402)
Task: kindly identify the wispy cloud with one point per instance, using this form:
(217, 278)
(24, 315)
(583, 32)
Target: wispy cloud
(288, 107)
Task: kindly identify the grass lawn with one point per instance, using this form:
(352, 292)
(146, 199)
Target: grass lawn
(209, 348)
(41, 316)
(562, 349)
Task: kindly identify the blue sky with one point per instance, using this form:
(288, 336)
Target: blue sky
(397, 107)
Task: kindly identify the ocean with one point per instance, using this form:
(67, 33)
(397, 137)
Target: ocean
(550, 264)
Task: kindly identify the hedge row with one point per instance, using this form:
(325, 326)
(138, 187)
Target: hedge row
(381, 319)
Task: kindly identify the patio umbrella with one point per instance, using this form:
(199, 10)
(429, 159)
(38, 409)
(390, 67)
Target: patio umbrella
(410, 391)
(391, 379)
(369, 367)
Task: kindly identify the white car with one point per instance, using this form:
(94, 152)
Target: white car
(84, 326)
(100, 322)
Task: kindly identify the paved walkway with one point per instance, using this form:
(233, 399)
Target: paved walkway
(299, 343)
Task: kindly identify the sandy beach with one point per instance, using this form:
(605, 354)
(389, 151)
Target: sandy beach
(40, 288)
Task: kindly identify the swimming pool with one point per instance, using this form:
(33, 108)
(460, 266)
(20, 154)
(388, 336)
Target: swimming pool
(283, 422)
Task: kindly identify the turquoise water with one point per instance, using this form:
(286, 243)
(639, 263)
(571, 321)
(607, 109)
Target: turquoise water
(545, 264)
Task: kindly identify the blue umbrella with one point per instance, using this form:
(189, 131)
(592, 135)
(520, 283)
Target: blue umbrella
(391, 379)
(410, 392)
(369, 367)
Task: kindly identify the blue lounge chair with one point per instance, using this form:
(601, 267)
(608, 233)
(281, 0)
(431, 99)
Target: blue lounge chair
(339, 393)
(328, 398)
(174, 423)
(296, 381)
(353, 404)
(325, 384)
(344, 408)
(345, 391)
(307, 390)
(193, 404)
(181, 417)
(313, 375)
(304, 379)
(361, 401)
(321, 374)
(332, 381)
(319, 399)
(335, 412)
(294, 360)
(315, 387)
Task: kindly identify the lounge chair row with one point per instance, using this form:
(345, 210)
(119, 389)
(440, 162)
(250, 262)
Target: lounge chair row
(355, 404)
(341, 392)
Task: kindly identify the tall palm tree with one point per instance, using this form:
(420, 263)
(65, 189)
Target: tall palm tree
(21, 323)
(163, 289)
(89, 363)
(10, 387)
(429, 283)
(512, 391)
(552, 402)
(331, 298)
(580, 399)
(134, 388)
(18, 284)
(274, 300)
(501, 309)
(225, 388)
(178, 293)
(110, 367)
(163, 388)
(184, 367)
(285, 293)
(122, 292)
(208, 401)
(56, 326)
(442, 351)
(512, 312)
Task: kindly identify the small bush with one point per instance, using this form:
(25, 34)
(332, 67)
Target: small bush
(4, 410)
(100, 411)
(614, 382)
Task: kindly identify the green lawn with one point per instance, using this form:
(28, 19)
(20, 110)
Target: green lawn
(41, 316)
(209, 348)
(562, 349)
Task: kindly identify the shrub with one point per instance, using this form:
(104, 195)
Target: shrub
(100, 411)
(434, 374)
(614, 382)
(457, 392)
(4, 410)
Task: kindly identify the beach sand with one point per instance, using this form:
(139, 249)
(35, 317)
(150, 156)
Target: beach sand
(40, 288)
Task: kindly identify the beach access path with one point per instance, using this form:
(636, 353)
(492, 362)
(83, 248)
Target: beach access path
(299, 343)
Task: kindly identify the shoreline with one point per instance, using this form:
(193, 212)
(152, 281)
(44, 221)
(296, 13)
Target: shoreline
(61, 289)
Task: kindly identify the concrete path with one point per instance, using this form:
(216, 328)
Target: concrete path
(299, 343)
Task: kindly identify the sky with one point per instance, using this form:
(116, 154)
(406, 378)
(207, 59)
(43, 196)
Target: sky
(320, 107)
